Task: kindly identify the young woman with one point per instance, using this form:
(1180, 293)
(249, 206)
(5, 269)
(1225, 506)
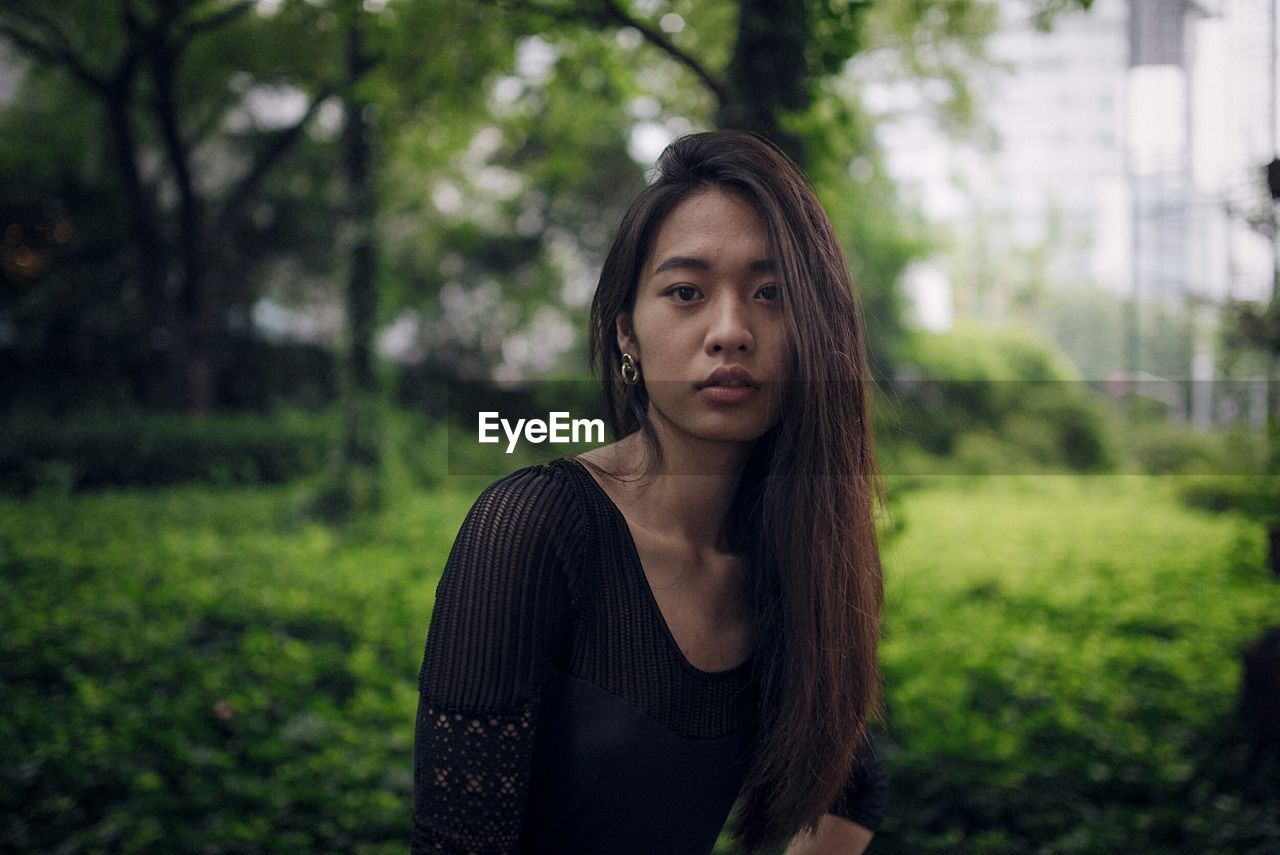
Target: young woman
(627, 644)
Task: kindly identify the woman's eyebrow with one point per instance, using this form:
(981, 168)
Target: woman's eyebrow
(686, 262)
(682, 262)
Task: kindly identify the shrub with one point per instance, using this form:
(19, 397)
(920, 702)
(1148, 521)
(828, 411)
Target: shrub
(1161, 448)
(1254, 496)
(110, 449)
(995, 399)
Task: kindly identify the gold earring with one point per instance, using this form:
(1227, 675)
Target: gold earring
(630, 374)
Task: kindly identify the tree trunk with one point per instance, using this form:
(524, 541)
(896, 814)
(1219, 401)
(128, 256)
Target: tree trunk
(198, 317)
(151, 255)
(360, 456)
(768, 74)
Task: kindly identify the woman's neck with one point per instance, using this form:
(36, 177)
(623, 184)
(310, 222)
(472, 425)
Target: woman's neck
(690, 492)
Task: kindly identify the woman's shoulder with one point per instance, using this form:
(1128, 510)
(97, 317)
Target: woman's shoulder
(533, 508)
(542, 488)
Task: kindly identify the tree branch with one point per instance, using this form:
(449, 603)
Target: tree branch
(55, 54)
(284, 140)
(164, 63)
(659, 40)
(213, 22)
(609, 12)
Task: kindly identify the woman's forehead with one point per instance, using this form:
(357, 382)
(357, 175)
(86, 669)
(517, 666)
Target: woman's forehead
(708, 223)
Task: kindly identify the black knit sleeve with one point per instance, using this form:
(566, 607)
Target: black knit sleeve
(865, 797)
(500, 614)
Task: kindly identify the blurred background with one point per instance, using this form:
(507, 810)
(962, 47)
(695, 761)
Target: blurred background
(257, 258)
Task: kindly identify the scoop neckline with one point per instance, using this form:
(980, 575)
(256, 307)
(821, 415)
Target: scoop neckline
(638, 566)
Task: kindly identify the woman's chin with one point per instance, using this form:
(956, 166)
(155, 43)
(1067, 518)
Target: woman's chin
(727, 425)
(735, 432)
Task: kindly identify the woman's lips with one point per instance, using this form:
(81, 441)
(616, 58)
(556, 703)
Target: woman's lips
(727, 394)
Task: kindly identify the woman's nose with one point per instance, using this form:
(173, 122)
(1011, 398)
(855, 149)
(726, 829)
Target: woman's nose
(730, 328)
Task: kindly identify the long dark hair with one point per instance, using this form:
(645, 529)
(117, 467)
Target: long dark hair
(804, 509)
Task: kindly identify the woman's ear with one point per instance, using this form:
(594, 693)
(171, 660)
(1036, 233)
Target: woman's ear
(626, 336)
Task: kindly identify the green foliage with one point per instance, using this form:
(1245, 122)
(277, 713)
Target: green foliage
(1167, 449)
(1252, 495)
(134, 449)
(353, 485)
(113, 449)
(1053, 692)
(1090, 326)
(836, 32)
(935, 43)
(500, 179)
(495, 209)
(975, 352)
(1160, 447)
(994, 402)
(202, 670)
(556, 137)
(153, 170)
(206, 669)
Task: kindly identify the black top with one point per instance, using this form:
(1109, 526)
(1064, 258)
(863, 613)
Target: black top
(557, 713)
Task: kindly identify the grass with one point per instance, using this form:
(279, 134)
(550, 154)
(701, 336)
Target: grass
(202, 669)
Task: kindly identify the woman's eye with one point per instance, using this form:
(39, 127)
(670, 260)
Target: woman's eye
(684, 293)
(769, 292)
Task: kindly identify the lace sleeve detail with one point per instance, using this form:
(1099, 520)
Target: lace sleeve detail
(471, 776)
(499, 618)
(865, 796)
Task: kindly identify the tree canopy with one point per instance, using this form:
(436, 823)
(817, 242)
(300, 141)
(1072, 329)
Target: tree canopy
(168, 164)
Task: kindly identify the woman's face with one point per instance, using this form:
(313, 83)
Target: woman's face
(708, 298)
